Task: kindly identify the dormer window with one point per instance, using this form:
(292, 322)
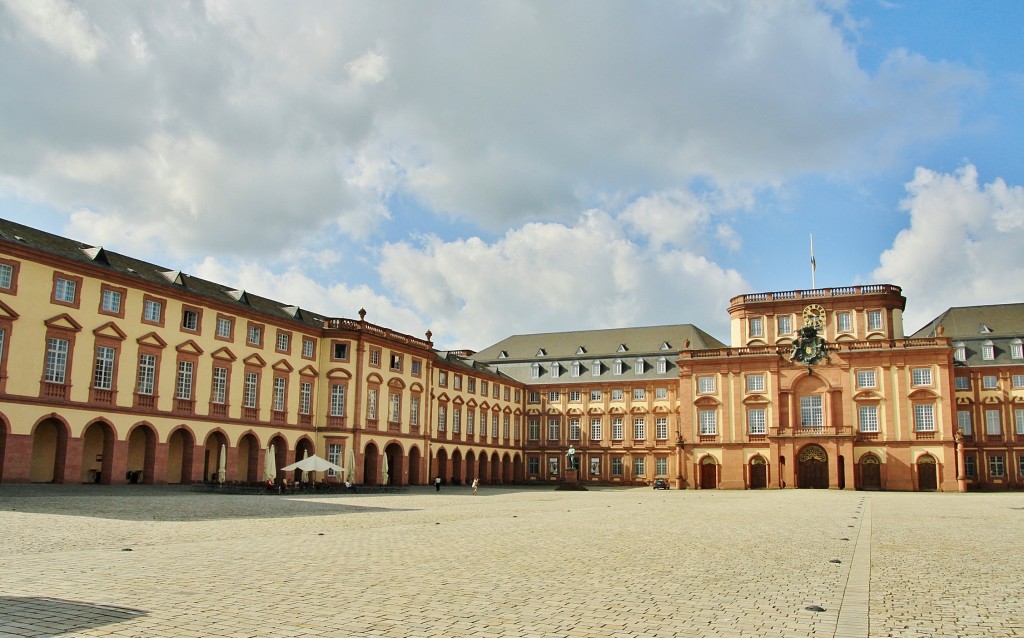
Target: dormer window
(541, 353)
(665, 345)
(595, 368)
(638, 366)
(556, 370)
(622, 347)
(581, 350)
(576, 368)
(617, 367)
(960, 351)
(535, 371)
(983, 329)
(1016, 349)
(988, 351)
(503, 355)
(662, 365)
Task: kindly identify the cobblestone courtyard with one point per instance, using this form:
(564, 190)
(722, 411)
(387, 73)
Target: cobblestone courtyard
(530, 562)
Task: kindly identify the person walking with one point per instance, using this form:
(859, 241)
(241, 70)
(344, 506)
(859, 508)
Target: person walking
(475, 483)
(437, 484)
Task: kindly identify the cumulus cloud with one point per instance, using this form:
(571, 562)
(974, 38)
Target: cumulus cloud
(544, 277)
(962, 246)
(250, 125)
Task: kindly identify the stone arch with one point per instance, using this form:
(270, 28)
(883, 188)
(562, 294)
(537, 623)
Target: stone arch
(870, 470)
(927, 467)
(49, 450)
(215, 456)
(97, 464)
(303, 448)
(415, 459)
(507, 475)
(280, 445)
(181, 445)
(757, 472)
(441, 465)
(371, 464)
(141, 461)
(709, 472)
(812, 467)
(395, 456)
(495, 469)
(482, 467)
(471, 467)
(456, 467)
(247, 459)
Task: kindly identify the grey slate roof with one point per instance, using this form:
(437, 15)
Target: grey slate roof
(176, 282)
(974, 326)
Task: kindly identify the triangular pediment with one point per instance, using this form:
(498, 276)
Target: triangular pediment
(254, 360)
(110, 331)
(308, 371)
(6, 312)
(283, 366)
(443, 397)
(459, 401)
(224, 354)
(63, 321)
(189, 347)
(151, 339)
(471, 403)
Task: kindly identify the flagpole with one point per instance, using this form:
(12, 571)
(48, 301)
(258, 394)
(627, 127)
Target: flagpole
(814, 285)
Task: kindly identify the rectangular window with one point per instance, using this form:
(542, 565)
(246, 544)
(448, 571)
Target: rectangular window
(414, 411)
(152, 311)
(553, 465)
(993, 426)
(874, 319)
(574, 429)
(395, 363)
(284, 342)
(963, 383)
(111, 301)
(616, 395)
(639, 366)
(339, 351)
(989, 382)
(708, 422)
(103, 376)
(921, 376)
(442, 378)
(867, 418)
(457, 420)
(470, 421)
(756, 422)
(442, 418)
(533, 464)
(616, 466)
(1018, 421)
(575, 368)
(661, 466)
(1016, 351)
(617, 429)
(960, 353)
(755, 383)
(254, 335)
(595, 395)
(785, 324)
(147, 374)
(337, 400)
(866, 378)
(1017, 380)
(333, 456)
(307, 348)
(305, 397)
(756, 327)
(575, 396)
(661, 393)
(639, 394)
(56, 360)
(662, 365)
(6, 276)
(661, 428)
(810, 412)
(483, 387)
(553, 429)
(505, 427)
(924, 418)
(534, 396)
(843, 322)
(970, 469)
(371, 404)
(533, 429)
(705, 384)
(617, 367)
(595, 368)
(639, 429)
(595, 429)
(250, 390)
(595, 466)
(190, 320)
(416, 363)
(553, 396)
(224, 326)
(996, 466)
(471, 385)
(639, 468)
(963, 422)
(988, 352)
(396, 409)
(375, 357)
(184, 384)
(279, 397)
(64, 290)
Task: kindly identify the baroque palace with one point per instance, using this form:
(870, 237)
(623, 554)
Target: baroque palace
(115, 370)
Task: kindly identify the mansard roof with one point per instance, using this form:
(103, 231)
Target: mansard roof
(977, 322)
(173, 281)
(626, 343)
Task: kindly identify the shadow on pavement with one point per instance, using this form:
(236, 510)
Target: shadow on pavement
(33, 616)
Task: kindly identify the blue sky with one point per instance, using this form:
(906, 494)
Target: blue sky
(487, 169)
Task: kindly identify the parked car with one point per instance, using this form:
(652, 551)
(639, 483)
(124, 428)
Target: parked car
(660, 484)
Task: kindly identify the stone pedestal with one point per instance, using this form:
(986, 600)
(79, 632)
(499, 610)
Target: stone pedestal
(572, 481)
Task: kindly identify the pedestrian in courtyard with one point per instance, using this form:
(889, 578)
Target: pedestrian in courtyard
(476, 482)
(437, 484)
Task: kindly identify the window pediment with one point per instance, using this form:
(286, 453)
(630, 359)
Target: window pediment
(7, 312)
(283, 366)
(63, 321)
(308, 371)
(707, 401)
(151, 339)
(189, 347)
(111, 331)
(867, 395)
(922, 394)
(254, 360)
(224, 354)
(339, 373)
(755, 399)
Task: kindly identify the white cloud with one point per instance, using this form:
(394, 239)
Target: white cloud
(962, 246)
(546, 277)
(63, 26)
(369, 68)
